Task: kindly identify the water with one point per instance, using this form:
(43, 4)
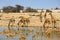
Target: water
(28, 34)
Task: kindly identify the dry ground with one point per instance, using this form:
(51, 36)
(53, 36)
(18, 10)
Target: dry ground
(34, 20)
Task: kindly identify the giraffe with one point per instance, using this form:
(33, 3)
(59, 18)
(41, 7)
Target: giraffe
(46, 21)
(41, 15)
(47, 11)
(11, 22)
(51, 21)
(23, 22)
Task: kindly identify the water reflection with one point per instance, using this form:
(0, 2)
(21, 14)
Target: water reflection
(28, 33)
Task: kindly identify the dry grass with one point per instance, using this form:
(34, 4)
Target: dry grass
(34, 20)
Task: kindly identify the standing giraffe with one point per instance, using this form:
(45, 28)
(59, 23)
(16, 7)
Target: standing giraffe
(47, 11)
(41, 15)
(52, 19)
(11, 22)
(47, 21)
(45, 15)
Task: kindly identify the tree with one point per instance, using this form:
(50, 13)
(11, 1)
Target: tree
(13, 9)
(9, 9)
(57, 8)
(19, 7)
(29, 9)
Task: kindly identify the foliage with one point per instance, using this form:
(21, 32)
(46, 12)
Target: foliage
(12, 9)
(29, 9)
